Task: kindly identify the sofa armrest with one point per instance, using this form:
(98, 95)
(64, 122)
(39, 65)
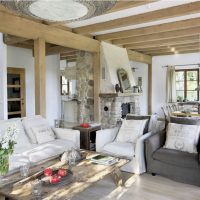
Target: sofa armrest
(153, 143)
(104, 137)
(68, 134)
(140, 154)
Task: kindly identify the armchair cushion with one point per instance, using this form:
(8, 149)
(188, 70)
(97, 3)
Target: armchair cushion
(123, 149)
(177, 158)
(182, 137)
(131, 130)
(189, 121)
(140, 117)
(152, 121)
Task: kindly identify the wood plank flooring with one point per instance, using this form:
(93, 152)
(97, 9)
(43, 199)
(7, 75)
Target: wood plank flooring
(144, 187)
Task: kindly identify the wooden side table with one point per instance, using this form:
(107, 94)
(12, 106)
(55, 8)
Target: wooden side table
(87, 137)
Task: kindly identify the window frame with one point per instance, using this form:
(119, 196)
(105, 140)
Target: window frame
(61, 86)
(185, 81)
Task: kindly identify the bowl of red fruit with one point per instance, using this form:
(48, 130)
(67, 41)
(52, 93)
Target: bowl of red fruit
(56, 176)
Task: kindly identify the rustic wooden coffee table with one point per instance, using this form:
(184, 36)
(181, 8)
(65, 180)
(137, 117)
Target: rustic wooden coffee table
(85, 174)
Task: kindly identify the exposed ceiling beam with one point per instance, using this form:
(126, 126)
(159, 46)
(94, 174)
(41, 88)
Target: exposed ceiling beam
(172, 53)
(168, 46)
(151, 29)
(163, 42)
(22, 45)
(165, 13)
(29, 29)
(183, 48)
(57, 50)
(139, 57)
(121, 5)
(159, 36)
(9, 39)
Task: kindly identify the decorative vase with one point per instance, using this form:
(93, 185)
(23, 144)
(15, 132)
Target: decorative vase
(4, 164)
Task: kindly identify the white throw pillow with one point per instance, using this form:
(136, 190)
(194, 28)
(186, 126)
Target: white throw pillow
(131, 130)
(22, 139)
(182, 137)
(29, 122)
(43, 133)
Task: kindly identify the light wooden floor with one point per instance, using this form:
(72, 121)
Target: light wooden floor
(145, 187)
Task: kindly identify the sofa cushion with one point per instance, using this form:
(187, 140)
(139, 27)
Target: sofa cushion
(43, 134)
(120, 149)
(48, 150)
(182, 137)
(29, 122)
(177, 158)
(131, 130)
(22, 140)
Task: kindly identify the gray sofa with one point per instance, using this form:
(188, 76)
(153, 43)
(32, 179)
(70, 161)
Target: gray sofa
(177, 165)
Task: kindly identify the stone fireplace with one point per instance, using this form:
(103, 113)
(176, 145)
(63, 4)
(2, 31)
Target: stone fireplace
(111, 107)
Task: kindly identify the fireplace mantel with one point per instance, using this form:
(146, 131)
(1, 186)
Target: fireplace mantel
(111, 95)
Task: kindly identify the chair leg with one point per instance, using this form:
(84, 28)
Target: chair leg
(153, 174)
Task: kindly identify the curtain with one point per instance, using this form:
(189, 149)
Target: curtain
(171, 84)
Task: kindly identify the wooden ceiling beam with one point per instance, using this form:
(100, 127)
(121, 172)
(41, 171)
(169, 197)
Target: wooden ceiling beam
(24, 46)
(183, 48)
(9, 39)
(165, 13)
(169, 46)
(57, 50)
(121, 5)
(139, 57)
(172, 53)
(21, 27)
(158, 36)
(163, 42)
(178, 25)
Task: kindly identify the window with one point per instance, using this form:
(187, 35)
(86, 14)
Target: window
(64, 85)
(187, 81)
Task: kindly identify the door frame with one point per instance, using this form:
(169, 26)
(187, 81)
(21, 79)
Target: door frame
(21, 72)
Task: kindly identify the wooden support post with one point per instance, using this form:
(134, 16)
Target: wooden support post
(149, 89)
(40, 77)
(97, 77)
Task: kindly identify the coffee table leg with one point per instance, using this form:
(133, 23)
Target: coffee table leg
(117, 177)
(2, 197)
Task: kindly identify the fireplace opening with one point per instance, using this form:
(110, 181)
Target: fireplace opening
(125, 109)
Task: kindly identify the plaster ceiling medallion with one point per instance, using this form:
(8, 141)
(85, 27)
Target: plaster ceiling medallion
(60, 10)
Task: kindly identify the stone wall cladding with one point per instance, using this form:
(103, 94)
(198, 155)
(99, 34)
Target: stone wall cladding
(85, 87)
(110, 117)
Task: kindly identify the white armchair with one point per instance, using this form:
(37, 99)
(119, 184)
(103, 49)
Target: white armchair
(106, 144)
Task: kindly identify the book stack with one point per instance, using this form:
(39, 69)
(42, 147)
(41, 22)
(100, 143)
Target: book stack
(104, 160)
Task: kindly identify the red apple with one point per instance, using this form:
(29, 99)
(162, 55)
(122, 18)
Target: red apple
(62, 172)
(48, 172)
(54, 179)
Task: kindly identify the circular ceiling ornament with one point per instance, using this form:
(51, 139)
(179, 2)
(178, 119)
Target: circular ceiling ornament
(60, 10)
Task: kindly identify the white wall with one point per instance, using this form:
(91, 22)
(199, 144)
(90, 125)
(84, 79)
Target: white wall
(22, 58)
(142, 71)
(112, 59)
(159, 75)
(3, 80)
